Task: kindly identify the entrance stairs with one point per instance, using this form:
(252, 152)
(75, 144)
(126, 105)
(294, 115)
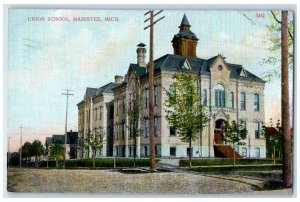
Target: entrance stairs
(225, 151)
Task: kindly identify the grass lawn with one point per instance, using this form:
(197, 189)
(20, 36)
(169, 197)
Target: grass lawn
(100, 163)
(220, 162)
(238, 168)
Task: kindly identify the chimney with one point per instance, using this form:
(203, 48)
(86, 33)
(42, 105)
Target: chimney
(141, 55)
(118, 79)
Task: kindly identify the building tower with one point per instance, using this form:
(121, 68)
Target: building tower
(185, 42)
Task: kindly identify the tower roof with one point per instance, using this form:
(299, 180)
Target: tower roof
(141, 45)
(185, 21)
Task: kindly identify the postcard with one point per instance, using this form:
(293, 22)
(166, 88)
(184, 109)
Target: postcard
(155, 102)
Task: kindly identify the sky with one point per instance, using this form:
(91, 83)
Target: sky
(46, 57)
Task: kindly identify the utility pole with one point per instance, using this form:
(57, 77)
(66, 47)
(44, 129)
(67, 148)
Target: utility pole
(287, 172)
(21, 127)
(151, 88)
(66, 130)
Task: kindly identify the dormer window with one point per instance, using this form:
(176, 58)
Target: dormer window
(186, 65)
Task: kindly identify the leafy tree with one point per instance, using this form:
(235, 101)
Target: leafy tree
(184, 109)
(134, 118)
(274, 33)
(273, 136)
(26, 150)
(93, 141)
(235, 133)
(56, 151)
(37, 149)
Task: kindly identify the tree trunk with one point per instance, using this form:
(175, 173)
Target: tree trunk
(93, 157)
(287, 176)
(274, 154)
(134, 153)
(190, 154)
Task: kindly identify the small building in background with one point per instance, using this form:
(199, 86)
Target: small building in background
(72, 142)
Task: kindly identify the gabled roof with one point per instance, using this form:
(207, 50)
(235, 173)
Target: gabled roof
(137, 69)
(92, 92)
(174, 63)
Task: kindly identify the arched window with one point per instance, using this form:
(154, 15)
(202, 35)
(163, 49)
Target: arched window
(219, 96)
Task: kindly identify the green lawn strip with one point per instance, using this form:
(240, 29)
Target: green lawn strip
(100, 163)
(217, 162)
(238, 168)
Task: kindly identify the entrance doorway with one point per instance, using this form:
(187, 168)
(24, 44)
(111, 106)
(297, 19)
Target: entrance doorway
(218, 132)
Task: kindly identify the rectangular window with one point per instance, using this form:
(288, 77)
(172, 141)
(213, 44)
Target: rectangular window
(131, 100)
(155, 150)
(205, 97)
(256, 102)
(244, 152)
(123, 104)
(116, 132)
(155, 95)
(232, 100)
(257, 152)
(123, 131)
(172, 131)
(130, 130)
(100, 109)
(146, 127)
(155, 126)
(147, 97)
(95, 110)
(117, 107)
(188, 151)
(257, 130)
(130, 151)
(243, 101)
(219, 98)
(172, 151)
(146, 150)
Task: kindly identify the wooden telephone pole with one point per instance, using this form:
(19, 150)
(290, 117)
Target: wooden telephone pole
(21, 128)
(287, 171)
(66, 128)
(151, 88)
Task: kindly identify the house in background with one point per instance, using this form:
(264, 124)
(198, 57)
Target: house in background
(72, 142)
